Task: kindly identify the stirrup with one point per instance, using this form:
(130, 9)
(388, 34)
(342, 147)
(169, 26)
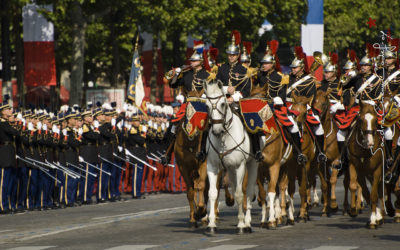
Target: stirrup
(388, 177)
(201, 156)
(322, 157)
(164, 160)
(258, 156)
(301, 159)
(389, 162)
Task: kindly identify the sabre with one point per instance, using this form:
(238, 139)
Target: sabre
(155, 156)
(39, 167)
(72, 165)
(140, 160)
(93, 166)
(112, 163)
(153, 159)
(65, 170)
(39, 162)
(122, 159)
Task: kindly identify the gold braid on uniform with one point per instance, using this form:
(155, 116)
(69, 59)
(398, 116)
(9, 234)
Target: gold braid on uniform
(305, 84)
(197, 83)
(371, 88)
(276, 88)
(241, 78)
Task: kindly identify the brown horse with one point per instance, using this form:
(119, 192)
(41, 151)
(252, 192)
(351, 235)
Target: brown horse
(366, 156)
(193, 173)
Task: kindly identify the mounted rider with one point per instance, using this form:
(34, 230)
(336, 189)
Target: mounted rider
(304, 84)
(236, 79)
(331, 82)
(191, 80)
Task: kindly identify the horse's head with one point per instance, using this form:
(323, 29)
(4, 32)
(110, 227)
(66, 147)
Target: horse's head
(368, 121)
(321, 101)
(300, 106)
(217, 105)
(387, 102)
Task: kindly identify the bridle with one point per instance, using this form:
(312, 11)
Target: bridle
(226, 124)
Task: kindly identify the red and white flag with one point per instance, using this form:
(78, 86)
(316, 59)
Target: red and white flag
(39, 59)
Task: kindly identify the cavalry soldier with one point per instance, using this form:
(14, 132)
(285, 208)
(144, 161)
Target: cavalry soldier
(304, 84)
(88, 151)
(274, 84)
(7, 154)
(191, 81)
(331, 82)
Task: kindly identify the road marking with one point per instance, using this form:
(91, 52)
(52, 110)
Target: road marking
(221, 240)
(31, 248)
(132, 247)
(334, 248)
(9, 230)
(144, 213)
(231, 247)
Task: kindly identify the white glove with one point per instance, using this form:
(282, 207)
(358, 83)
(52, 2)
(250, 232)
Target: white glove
(57, 131)
(144, 129)
(39, 126)
(19, 116)
(397, 99)
(23, 122)
(155, 125)
(128, 126)
(150, 123)
(120, 148)
(54, 128)
(237, 96)
(64, 131)
(81, 159)
(113, 122)
(96, 124)
(119, 125)
(167, 124)
(178, 71)
(44, 127)
(80, 131)
(277, 100)
(173, 129)
(30, 126)
(162, 126)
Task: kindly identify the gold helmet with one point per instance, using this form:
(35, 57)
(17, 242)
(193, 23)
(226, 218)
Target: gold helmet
(198, 51)
(212, 56)
(369, 57)
(394, 43)
(246, 55)
(331, 66)
(352, 60)
(270, 55)
(234, 48)
(299, 58)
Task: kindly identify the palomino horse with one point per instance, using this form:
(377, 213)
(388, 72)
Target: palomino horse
(228, 148)
(331, 149)
(194, 173)
(366, 156)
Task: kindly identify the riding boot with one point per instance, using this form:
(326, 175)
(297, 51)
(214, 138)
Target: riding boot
(201, 155)
(321, 155)
(388, 149)
(171, 142)
(255, 141)
(301, 158)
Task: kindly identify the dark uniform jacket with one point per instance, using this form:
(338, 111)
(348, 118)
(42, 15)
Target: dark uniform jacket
(88, 148)
(237, 76)
(372, 91)
(135, 142)
(271, 81)
(105, 145)
(72, 148)
(7, 146)
(394, 84)
(333, 87)
(191, 81)
(306, 89)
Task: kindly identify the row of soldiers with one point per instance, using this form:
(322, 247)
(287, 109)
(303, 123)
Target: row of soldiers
(54, 161)
(361, 80)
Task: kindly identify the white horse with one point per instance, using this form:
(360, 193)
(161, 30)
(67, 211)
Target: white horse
(228, 147)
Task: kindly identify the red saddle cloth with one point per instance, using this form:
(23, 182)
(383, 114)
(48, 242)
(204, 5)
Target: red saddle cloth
(345, 118)
(180, 114)
(281, 113)
(311, 119)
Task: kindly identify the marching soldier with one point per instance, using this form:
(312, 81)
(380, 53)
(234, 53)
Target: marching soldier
(7, 154)
(115, 179)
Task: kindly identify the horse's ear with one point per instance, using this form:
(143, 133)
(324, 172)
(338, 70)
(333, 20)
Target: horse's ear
(205, 85)
(220, 85)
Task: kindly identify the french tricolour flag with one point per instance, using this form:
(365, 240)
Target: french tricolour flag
(312, 33)
(39, 59)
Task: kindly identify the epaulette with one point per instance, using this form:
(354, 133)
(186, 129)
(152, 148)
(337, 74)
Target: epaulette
(85, 128)
(68, 129)
(214, 69)
(211, 76)
(133, 131)
(285, 79)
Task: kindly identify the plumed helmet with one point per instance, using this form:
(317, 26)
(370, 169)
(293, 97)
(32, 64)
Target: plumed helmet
(198, 51)
(234, 48)
(246, 55)
(299, 57)
(331, 66)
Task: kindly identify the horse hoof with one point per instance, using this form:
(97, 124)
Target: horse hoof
(263, 225)
(360, 211)
(284, 220)
(333, 210)
(248, 230)
(302, 219)
(290, 222)
(324, 214)
(396, 219)
(212, 230)
(193, 224)
(271, 225)
(229, 202)
(372, 226)
(315, 204)
(353, 212)
(240, 230)
(379, 222)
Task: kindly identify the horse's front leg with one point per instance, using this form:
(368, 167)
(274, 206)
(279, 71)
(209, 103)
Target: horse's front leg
(353, 189)
(238, 176)
(333, 206)
(274, 175)
(251, 180)
(212, 173)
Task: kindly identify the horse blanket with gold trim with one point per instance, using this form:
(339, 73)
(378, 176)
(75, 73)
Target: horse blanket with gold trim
(196, 116)
(257, 115)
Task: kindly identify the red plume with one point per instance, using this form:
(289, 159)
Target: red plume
(197, 43)
(277, 64)
(334, 58)
(352, 55)
(395, 42)
(248, 46)
(273, 46)
(214, 53)
(371, 51)
(205, 61)
(298, 50)
(237, 36)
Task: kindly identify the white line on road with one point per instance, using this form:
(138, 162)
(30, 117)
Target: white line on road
(9, 230)
(334, 248)
(175, 209)
(221, 240)
(230, 247)
(132, 247)
(31, 248)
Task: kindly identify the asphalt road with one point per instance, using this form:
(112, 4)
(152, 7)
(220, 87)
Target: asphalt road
(161, 222)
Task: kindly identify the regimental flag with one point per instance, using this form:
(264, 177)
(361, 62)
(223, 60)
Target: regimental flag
(257, 115)
(196, 116)
(39, 58)
(135, 87)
